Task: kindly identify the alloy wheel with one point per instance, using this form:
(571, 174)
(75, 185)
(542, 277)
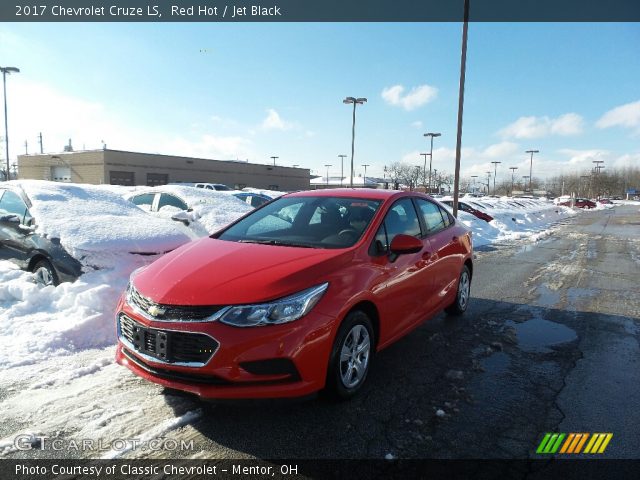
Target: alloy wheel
(354, 356)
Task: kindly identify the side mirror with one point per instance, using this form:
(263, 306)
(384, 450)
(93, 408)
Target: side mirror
(403, 244)
(182, 216)
(11, 218)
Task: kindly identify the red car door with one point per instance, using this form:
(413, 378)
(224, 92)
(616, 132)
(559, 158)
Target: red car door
(404, 286)
(445, 249)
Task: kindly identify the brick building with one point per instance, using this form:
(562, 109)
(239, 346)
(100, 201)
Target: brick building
(118, 167)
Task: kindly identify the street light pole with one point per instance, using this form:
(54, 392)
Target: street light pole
(274, 160)
(488, 181)
(341, 168)
(364, 182)
(5, 71)
(531, 168)
(513, 172)
(430, 157)
(355, 101)
(328, 165)
(495, 171)
(597, 179)
(424, 172)
(474, 182)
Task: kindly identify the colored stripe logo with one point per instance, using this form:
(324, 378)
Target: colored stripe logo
(572, 443)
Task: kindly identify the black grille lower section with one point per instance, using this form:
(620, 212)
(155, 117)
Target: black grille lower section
(175, 313)
(166, 345)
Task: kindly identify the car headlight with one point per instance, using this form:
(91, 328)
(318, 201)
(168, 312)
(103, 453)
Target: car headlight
(280, 311)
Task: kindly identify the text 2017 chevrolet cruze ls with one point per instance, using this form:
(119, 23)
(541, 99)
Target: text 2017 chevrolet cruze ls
(296, 296)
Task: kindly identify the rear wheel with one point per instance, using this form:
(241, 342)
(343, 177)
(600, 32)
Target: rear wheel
(351, 356)
(459, 306)
(45, 274)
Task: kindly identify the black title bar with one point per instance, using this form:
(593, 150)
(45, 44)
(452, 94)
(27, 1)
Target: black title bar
(319, 11)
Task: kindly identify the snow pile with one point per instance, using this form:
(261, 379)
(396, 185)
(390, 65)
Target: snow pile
(90, 220)
(512, 218)
(39, 322)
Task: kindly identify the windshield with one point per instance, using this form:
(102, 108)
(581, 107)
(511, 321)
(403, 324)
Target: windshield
(313, 222)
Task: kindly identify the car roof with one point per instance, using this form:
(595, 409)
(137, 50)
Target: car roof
(364, 193)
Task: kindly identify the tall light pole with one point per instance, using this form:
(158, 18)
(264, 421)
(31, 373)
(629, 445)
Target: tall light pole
(355, 101)
(463, 69)
(524, 178)
(328, 165)
(364, 182)
(341, 168)
(597, 179)
(430, 157)
(274, 160)
(435, 179)
(474, 182)
(513, 172)
(531, 168)
(488, 181)
(5, 71)
(424, 172)
(495, 171)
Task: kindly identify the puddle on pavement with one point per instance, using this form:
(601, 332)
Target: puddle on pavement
(537, 334)
(496, 364)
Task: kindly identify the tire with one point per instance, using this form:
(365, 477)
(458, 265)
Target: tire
(459, 305)
(351, 356)
(45, 274)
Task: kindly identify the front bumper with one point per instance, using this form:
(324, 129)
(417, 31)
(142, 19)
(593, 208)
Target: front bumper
(275, 361)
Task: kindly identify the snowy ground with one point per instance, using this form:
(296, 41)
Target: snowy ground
(57, 375)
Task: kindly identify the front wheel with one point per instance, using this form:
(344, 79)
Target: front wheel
(45, 274)
(459, 306)
(351, 356)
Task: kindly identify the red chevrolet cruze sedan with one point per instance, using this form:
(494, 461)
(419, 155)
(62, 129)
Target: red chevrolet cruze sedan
(296, 296)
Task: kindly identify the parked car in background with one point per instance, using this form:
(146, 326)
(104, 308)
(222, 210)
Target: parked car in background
(605, 201)
(203, 210)
(214, 186)
(254, 199)
(296, 296)
(579, 203)
(59, 230)
(465, 207)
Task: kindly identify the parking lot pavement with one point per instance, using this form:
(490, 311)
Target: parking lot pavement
(549, 344)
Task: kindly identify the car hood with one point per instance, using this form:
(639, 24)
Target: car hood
(217, 272)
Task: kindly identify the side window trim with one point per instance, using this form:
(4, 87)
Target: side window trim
(423, 222)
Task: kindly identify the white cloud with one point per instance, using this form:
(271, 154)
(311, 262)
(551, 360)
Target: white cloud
(567, 124)
(628, 160)
(209, 146)
(583, 158)
(627, 116)
(274, 121)
(537, 127)
(500, 150)
(417, 124)
(417, 97)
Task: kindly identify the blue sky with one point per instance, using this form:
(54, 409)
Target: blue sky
(250, 91)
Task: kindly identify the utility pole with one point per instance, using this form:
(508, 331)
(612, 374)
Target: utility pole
(364, 182)
(26, 148)
(463, 66)
(531, 168)
(430, 134)
(342, 157)
(274, 160)
(327, 165)
(488, 182)
(40, 138)
(495, 171)
(513, 171)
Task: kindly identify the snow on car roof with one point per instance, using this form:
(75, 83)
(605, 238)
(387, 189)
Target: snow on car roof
(192, 195)
(89, 218)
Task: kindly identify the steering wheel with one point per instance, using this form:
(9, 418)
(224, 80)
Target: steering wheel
(347, 231)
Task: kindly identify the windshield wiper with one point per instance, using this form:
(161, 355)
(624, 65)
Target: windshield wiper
(280, 243)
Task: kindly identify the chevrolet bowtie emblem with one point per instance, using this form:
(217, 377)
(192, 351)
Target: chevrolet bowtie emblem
(154, 310)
